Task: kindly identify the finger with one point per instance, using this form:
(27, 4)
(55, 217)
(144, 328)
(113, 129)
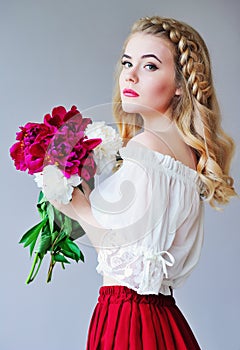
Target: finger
(86, 188)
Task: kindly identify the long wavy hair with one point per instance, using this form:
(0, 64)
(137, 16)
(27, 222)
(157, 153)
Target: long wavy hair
(195, 111)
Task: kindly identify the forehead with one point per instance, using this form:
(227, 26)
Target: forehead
(140, 44)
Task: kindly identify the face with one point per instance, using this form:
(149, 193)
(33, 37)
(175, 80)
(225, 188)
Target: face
(147, 80)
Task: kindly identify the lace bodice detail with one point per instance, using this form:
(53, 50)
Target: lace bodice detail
(153, 215)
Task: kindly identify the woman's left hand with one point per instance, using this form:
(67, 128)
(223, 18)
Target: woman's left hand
(86, 189)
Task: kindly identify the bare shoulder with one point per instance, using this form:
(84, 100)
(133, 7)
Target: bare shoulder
(170, 145)
(154, 142)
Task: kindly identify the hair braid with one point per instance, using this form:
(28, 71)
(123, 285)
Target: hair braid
(191, 61)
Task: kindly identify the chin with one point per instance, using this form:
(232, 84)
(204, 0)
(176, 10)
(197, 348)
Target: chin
(130, 107)
(138, 109)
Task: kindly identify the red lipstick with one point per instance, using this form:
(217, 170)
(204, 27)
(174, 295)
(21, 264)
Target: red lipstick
(130, 93)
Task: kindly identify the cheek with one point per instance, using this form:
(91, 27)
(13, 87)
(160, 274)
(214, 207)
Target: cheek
(165, 88)
(154, 92)
(120, 79)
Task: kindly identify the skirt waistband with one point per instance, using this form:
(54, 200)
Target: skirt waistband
(116, 294)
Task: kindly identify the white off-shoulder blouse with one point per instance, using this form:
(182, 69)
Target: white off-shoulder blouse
(153, 214)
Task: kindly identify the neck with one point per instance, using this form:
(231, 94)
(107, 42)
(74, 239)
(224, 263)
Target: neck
(157, 123)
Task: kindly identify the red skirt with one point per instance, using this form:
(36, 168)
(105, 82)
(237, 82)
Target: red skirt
(125, 320)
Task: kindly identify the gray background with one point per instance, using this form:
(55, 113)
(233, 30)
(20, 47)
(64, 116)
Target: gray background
(64, 52)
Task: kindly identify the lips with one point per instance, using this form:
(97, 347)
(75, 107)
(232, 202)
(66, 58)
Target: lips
(130, 93)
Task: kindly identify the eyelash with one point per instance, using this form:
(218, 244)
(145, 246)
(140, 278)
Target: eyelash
(151, 65)
(125, 63)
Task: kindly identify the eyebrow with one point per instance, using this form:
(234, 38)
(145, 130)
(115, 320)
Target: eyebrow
(144, 56)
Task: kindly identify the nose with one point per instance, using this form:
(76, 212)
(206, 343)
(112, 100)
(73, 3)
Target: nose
(131, 76)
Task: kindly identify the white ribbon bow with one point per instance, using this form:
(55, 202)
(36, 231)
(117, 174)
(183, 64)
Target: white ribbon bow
(153, 256)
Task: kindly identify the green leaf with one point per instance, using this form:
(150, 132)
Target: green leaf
(50, 213)
(32, 234)
(45, 242)
(81, 256)
(77, 230)
(61, 237)
(41, 197)
(42, 204)
(70, 249)
(32, 245)
(42, 209)
(60, 258)
(69, 254)
(58, 217)
(54, 235)
(67, 225)
(75, 225)
(74, 248)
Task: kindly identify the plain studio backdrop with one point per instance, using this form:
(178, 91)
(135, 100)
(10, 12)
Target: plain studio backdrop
(64, 53)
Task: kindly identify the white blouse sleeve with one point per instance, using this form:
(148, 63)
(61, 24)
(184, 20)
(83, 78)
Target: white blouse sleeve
(142, 206)
(125, 202)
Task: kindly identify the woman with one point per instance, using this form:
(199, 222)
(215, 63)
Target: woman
(146, 219)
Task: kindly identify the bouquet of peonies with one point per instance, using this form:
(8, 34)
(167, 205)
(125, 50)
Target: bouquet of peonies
(61, 152)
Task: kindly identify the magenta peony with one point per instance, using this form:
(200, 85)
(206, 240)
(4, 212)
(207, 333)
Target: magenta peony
(25, 156)
(60, 140)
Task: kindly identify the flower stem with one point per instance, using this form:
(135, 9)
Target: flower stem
(50, 270)
(32, 275)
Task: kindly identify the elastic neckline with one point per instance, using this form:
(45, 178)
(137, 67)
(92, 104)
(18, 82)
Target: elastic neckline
(167, 161)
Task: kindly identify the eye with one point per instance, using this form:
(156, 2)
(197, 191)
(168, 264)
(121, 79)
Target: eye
(151, 67)
(126, 64)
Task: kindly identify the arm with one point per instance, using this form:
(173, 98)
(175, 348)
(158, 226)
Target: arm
(79, 209)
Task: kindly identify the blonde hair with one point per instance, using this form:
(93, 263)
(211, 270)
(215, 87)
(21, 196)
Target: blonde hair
(195, 112)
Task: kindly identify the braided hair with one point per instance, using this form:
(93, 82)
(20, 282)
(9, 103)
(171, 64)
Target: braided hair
(195, 111)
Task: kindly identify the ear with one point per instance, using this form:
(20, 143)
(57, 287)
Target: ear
(178, 91)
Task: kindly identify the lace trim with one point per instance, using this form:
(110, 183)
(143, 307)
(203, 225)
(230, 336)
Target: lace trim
(141, 269)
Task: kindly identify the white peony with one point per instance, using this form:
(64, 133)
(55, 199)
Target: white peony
(105, 152)
(55, 185)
